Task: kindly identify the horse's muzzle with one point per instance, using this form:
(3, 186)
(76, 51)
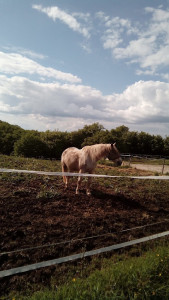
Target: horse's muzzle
(118, 162)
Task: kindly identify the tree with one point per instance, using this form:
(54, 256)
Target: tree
(157, 145)
(14, 139)
(166, 146)
(131, 142)
(118, 135)
(56, 142)
(144, 143)
(98, 138)
(9, 134)
(30, 145)
(80, 138)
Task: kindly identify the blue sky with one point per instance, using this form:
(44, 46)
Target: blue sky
(65, 64)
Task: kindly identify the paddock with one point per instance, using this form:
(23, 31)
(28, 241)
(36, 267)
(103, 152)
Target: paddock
(42, 221)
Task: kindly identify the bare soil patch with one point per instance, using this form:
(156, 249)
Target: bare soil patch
(36, 210)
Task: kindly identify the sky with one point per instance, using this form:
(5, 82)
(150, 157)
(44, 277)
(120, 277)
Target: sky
(65, 64)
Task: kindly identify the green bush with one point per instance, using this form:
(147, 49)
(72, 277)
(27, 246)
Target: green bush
(30, 145)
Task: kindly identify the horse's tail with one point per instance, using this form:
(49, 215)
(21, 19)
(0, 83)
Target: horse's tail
(64, 169)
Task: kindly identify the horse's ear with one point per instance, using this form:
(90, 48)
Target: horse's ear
(113, 144)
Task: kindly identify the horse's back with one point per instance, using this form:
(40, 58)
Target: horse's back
(70, 158)
(74, 159)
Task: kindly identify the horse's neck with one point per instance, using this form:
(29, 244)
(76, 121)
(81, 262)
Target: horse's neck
(100, 151)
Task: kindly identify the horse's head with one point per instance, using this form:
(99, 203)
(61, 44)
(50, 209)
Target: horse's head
(115, 155)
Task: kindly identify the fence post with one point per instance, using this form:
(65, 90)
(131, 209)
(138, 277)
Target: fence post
(130, 160)
(163, 166)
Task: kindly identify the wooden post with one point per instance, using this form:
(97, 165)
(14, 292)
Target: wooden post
(129, 160)
(163, 166)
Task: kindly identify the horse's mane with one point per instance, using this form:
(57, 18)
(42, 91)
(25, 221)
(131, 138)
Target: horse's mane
(98, 150)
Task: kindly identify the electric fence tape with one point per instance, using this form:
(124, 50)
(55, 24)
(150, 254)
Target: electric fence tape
(3, 170)
(65, 259)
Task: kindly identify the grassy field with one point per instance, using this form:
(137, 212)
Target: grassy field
(120, 277)
(137, 273)
(21, 163)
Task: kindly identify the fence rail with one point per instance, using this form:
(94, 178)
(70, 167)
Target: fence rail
(81, 255)
(81, 174)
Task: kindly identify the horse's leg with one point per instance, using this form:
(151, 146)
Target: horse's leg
(78, 183)
(88, 192)
(65, 178)
(66, 181)
(88, 184)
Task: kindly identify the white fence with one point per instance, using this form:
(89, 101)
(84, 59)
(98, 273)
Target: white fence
(3, 170)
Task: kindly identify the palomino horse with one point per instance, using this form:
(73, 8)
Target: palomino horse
(84, 160)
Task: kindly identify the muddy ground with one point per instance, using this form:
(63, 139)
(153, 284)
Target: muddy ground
(37, 211)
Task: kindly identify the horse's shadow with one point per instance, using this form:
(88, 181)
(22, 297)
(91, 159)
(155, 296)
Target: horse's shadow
(122, 202)
(119, 200)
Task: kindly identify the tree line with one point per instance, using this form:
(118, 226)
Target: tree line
(50, 144)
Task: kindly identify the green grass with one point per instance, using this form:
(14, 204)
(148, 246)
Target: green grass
(21, 163)
(121, 277)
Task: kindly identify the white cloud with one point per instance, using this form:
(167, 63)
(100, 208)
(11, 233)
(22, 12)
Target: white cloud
(24, 52)
(118, 23)
(114, 29)
(102, 16)
(145, 102)
(141, 103)
(14, 63)
(137, 48)
(144, 44)
(158, 14)
(157, 59)
(56, 13)
(86, 48)
(82, 16)
(165, 76)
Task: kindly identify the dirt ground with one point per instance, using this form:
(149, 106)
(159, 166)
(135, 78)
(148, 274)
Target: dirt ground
(37, 211)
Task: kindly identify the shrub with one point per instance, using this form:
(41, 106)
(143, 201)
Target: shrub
(30, 145)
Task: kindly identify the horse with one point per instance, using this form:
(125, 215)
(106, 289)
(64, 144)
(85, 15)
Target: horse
(85, 160)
